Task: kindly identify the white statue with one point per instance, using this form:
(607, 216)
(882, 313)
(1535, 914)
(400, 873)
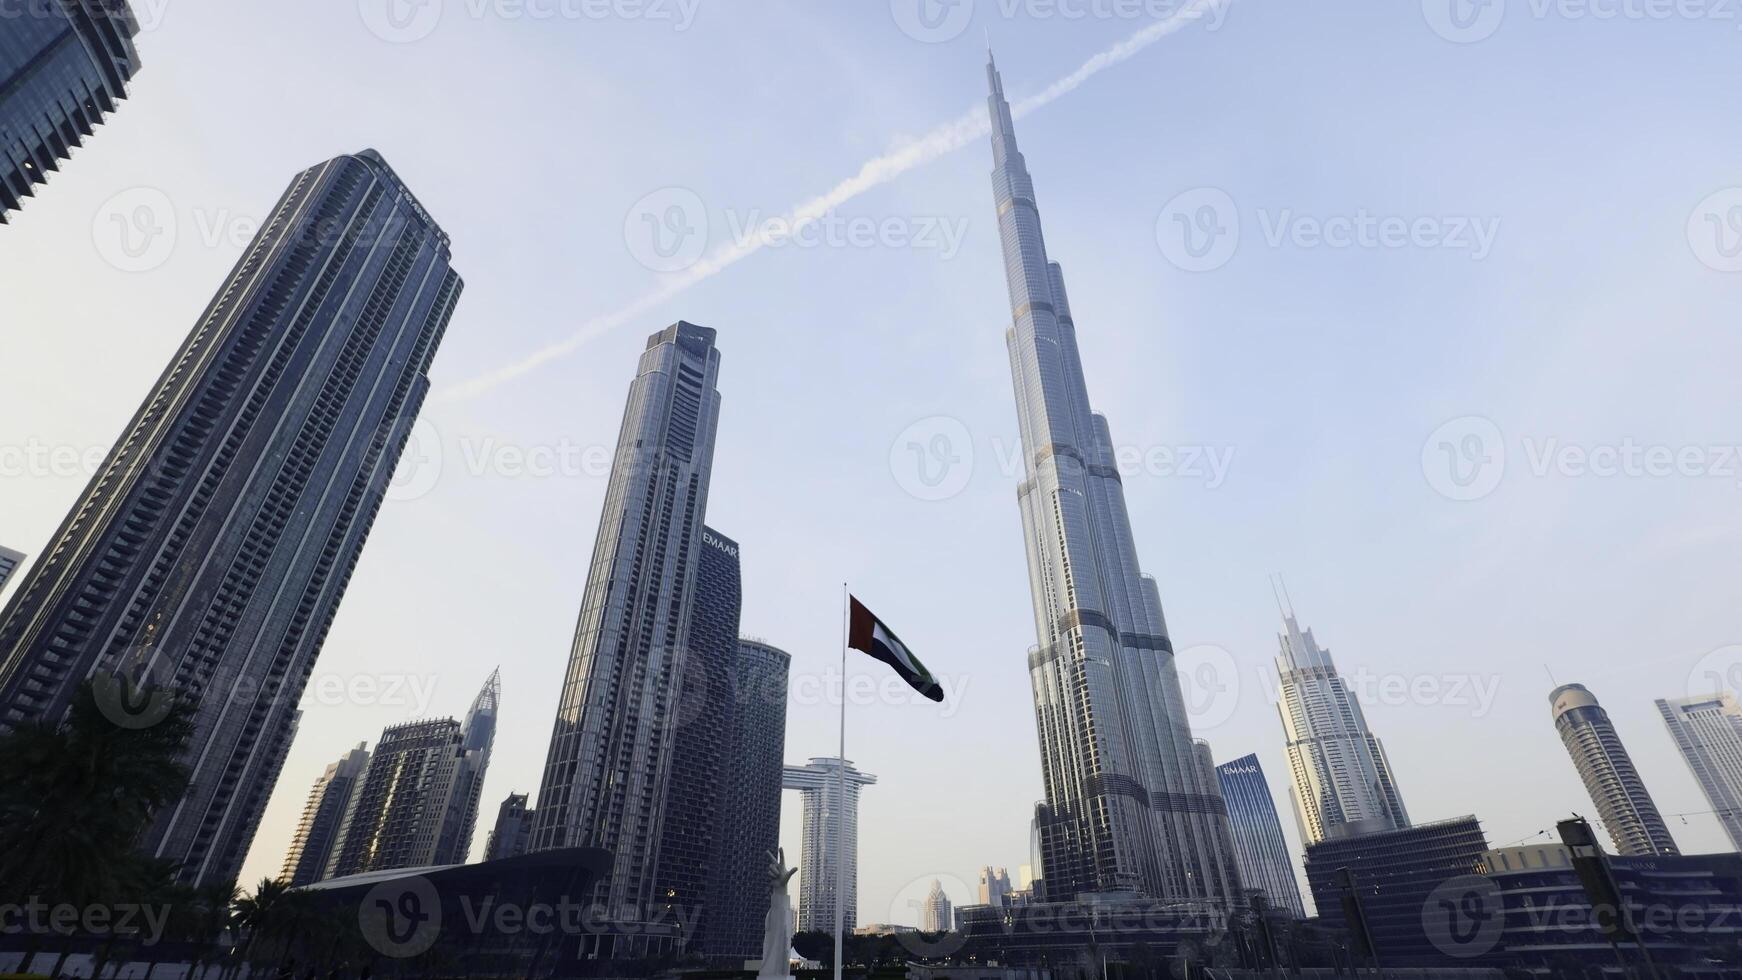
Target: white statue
(777, 933)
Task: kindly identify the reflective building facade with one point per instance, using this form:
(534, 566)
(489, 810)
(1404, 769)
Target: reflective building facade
(63, 65)
(1259, 847)
(211, 549)
(1627, 810)
(1129, 808)
(1341, 781)
(748, 825)
(318, 830)
(609, 767)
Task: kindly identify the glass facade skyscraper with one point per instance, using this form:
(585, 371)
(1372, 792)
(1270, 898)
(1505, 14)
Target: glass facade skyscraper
(1260, 850)
(63, 65)
(609, 768)
(318, 830)
(748, 825)
(211, 549)
(1341, 781)
(1627, 810)
(1708, 731)
(1129, 807)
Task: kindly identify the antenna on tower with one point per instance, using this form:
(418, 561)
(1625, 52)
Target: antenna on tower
(1276, 595)
(1285, 595)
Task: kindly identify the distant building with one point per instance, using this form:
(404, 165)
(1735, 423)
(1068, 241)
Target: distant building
(1708, 730)
(936, 915)
(1626, 809)
(417, 803)
(995, 886)
(1259, 847)
(747, 827)
(513, 829)
(1395, 873)
(883, 929)
(63, 65)
(312, 845)
(1340, 780)
(9, 562)
(820, 783)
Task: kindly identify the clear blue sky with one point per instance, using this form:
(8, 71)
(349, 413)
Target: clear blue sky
(1584, 144)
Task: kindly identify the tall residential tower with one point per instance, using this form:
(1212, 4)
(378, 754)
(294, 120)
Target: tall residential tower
(826, 813)
(609, 767)
(1341, 781)
(1626, 809)
(63, 65)
(209, 552)
(328, 802)
(1259, 847)
(1129, 809)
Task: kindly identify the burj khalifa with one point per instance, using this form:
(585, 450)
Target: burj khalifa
(1132, 804)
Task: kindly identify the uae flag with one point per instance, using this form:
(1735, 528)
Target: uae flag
(868, 633)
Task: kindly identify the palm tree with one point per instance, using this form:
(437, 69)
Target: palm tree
(73, 799)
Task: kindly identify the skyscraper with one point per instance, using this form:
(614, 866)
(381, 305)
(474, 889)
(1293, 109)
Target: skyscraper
(1341, 782)
(1626, 809)
(1708, 730)
(703, 713)
(211, 549)
(748, 824)
(312, 846)
(63, 64)
(609, 766)
(9, 562)
(1128, 806)
(820, 783)
(512, 831)
(454, 844)
(936, 915)
(1260, 850)
(995, 886)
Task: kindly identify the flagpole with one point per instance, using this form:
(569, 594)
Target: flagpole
(841, 798)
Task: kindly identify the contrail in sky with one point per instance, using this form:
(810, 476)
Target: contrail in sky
(940, 141)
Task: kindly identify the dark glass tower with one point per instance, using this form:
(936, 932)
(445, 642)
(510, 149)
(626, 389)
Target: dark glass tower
(210, 551)
(750, 788)
(609, 767)
(513, 829)
(1260, 850)
(1130, 808)
(693, 811)
(63, 64)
